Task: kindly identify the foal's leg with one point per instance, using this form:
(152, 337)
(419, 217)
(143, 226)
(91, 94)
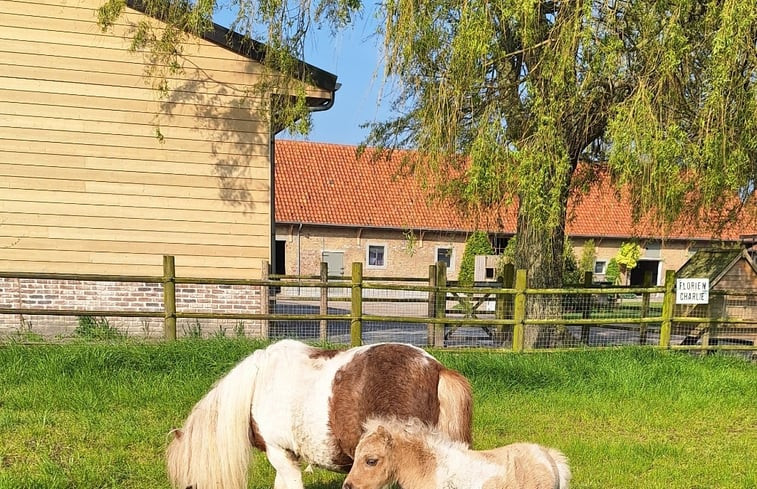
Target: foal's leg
(288, 474)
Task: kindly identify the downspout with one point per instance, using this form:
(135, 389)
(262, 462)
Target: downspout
(299, 250)
(272, 203)
(299, 255)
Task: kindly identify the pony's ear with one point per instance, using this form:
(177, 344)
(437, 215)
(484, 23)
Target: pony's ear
(385, 435)
(177, 433)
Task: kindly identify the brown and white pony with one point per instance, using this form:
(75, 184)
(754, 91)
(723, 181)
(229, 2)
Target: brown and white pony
(302, 404)
(412, 454)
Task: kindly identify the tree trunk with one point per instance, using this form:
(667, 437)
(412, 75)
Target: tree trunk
(539, 251)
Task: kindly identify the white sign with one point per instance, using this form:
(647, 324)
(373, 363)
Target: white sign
(692, 290)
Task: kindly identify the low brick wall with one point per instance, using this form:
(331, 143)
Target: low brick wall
(126, 296)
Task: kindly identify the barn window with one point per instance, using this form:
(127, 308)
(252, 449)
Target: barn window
(499, 243)
(444, 254)
(376, 255)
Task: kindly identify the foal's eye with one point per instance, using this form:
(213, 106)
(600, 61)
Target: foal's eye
(371, 462)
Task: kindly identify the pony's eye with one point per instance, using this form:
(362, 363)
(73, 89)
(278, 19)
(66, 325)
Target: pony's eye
(371, 462)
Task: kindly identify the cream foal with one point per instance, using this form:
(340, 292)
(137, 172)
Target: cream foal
(417, 457)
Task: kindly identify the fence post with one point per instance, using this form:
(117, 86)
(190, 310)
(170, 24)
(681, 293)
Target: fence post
(586, 310)
(431, 304)
(441, 303)
(504, 305)
(169, 297)
(499, 303)
(356, 323)
(324, 307)
(519, 311)
(668, 303)
(265, 303)
(644, 312)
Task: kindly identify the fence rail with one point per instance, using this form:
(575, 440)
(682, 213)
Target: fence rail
(433, 312)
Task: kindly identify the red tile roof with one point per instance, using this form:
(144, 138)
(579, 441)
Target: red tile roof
(327, 184)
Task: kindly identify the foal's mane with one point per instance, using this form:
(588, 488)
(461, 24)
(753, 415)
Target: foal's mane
(410, 429)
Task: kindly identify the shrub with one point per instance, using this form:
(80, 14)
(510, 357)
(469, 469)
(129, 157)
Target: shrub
(507, 257)
(570, 272)
(94, 328)
(477, 244)
(588, 256)
(612, 274)
(629, 255)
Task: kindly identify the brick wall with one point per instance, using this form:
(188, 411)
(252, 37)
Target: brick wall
(672, 254)
(304, 249)
(115, 296)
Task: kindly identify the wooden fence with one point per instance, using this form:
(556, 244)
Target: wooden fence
(510, 313)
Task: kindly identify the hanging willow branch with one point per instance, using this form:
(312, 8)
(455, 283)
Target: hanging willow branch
(276, 30)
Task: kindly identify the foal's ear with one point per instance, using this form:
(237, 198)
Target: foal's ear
(177, 433)
(385, 435)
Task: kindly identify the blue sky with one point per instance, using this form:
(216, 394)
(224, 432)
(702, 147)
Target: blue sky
(354, 57)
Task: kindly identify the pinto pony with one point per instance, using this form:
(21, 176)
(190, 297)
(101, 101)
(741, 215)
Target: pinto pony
(301, 404)
(412, 454)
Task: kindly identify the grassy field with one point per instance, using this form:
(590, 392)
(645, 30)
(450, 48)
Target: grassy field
(96, 415)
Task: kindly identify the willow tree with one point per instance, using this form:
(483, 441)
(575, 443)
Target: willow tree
(526, 89)
(664, 93)
(504, 98)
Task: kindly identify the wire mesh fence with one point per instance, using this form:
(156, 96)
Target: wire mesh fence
(486, 316)
(398, 307)
(421, 311)
(728, 319)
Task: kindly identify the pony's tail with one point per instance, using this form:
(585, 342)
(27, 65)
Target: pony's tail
(563, 470)
(455, 406)
(212, 449)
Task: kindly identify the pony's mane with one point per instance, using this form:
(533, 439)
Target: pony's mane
(410, 429)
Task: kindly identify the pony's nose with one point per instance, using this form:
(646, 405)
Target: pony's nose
(347, 485)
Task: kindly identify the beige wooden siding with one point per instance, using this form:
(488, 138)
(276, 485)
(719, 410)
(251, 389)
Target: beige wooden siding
(88, 185)
(740, 277)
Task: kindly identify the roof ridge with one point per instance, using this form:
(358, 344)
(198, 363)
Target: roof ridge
(343, 146)
(319, 143)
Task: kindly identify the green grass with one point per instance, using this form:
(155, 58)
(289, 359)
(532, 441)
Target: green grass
(96, 415)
